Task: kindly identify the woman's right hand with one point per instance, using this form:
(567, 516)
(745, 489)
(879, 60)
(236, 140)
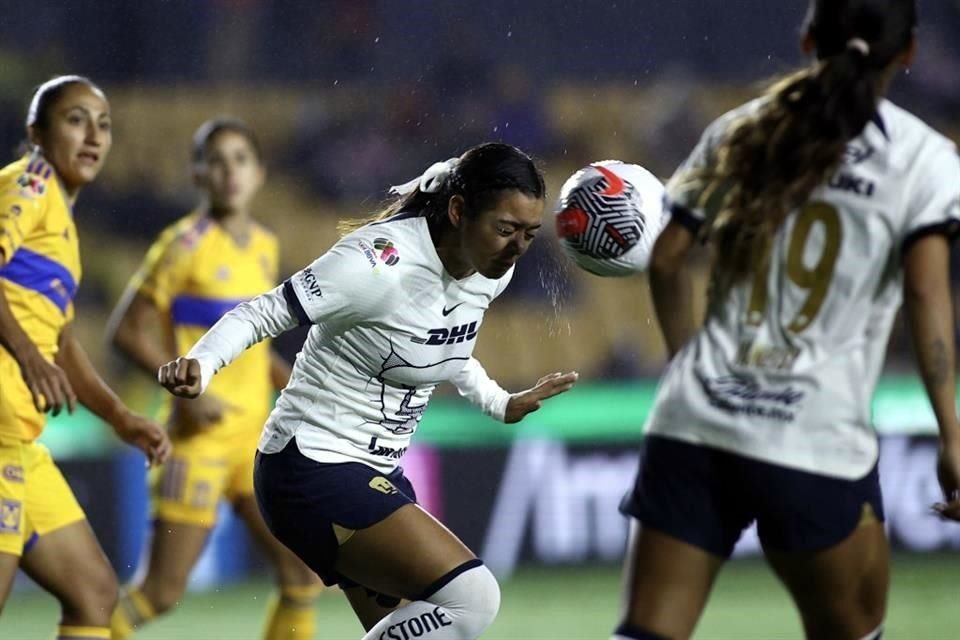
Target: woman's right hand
(47, 382)
(181, 377)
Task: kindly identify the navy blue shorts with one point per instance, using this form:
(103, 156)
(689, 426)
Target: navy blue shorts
(707, 497)
(301, 499)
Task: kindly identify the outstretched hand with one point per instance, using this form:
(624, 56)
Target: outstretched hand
(181, 377)
(524, 402)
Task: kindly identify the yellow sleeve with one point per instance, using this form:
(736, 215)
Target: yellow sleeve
(166, 268)
(22, 207)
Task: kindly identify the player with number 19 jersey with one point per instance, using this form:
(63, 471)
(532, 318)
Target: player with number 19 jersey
(784, 368)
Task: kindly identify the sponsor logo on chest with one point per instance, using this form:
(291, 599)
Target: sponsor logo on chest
(455, 335)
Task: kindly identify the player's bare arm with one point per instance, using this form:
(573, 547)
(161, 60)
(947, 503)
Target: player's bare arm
(929, 310)
(94, 394)
(671, 287)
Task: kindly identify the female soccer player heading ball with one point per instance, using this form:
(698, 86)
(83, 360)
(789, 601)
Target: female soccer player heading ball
(395, 307)
(827, 206)
(43, 367)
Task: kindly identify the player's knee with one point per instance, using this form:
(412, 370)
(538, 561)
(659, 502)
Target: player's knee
(291, 572)
(471, 598)
(93, 598)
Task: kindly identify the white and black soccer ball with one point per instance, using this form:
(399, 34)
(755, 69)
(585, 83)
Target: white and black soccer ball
(608, 217)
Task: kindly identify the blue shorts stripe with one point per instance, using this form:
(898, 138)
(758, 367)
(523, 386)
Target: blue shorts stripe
(201, 312)
(39, 273)
(31, 542)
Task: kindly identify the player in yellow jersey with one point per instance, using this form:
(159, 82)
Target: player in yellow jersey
(42, 366)
(197, 270)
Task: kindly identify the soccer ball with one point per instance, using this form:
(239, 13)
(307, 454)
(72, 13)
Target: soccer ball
(608, 216)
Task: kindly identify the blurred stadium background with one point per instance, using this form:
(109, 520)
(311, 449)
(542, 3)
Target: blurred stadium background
(352, 96)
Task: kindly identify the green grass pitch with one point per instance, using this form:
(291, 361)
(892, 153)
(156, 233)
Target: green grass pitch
(555, 604)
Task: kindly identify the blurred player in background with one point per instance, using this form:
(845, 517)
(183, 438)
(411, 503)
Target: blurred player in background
(42, 366)
(827, 206)
(198, 269)
(394, 307)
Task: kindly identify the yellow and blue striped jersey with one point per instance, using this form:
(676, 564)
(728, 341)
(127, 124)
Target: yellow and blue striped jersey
(194, 273)
(40, 276)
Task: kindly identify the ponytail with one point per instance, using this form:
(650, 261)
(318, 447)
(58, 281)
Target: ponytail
(774, 158)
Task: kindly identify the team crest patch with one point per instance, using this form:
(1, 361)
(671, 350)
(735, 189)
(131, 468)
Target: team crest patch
(388, 252)
(10, 511)
(383, 485)
(13, 473)
(31, 186)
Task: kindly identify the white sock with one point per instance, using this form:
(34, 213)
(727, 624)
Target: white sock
(460, 606)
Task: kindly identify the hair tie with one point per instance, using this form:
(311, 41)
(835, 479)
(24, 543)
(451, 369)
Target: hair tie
(859, 44)
(433, 180)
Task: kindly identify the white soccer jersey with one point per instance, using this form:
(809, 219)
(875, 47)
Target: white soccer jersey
(388, 325)
(785, 370)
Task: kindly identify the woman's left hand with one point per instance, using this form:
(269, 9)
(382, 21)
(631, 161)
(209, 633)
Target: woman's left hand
(524, 402)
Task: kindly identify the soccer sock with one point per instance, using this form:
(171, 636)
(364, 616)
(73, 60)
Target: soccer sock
(291, 615)
(73, 632)
(132, 612)
(629, 632)
(459, 606)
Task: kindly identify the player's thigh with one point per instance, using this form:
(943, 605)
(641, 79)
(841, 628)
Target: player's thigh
(71, 565)
(824, 537)
(61, 552)
(403, 554)
(667, 582)
(291, 570)
(187, 489)
(690, 510)
(8, 571)
(841, 592)
(369, 606)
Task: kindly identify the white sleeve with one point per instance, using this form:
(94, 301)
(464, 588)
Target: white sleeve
(481, 390)
(683, 197)
(266, 316)
(343, 285)
(934, 200)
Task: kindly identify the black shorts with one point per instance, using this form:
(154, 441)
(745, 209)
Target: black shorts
(706, 497)
(301, 499)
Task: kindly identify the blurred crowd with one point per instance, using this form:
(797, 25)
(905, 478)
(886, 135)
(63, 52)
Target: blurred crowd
(350, 97)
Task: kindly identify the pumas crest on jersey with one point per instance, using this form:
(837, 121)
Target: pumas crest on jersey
(388, 253)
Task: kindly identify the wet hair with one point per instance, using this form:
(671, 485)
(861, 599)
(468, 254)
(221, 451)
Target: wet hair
(47, 94)
(772, 159)
(482, 175)
(210, 129)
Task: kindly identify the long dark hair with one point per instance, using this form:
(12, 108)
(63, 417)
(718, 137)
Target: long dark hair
(483, 172)
(771, 160)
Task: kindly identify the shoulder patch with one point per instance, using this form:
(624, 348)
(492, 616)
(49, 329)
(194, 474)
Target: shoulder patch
(386, 251)
(31, 185)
